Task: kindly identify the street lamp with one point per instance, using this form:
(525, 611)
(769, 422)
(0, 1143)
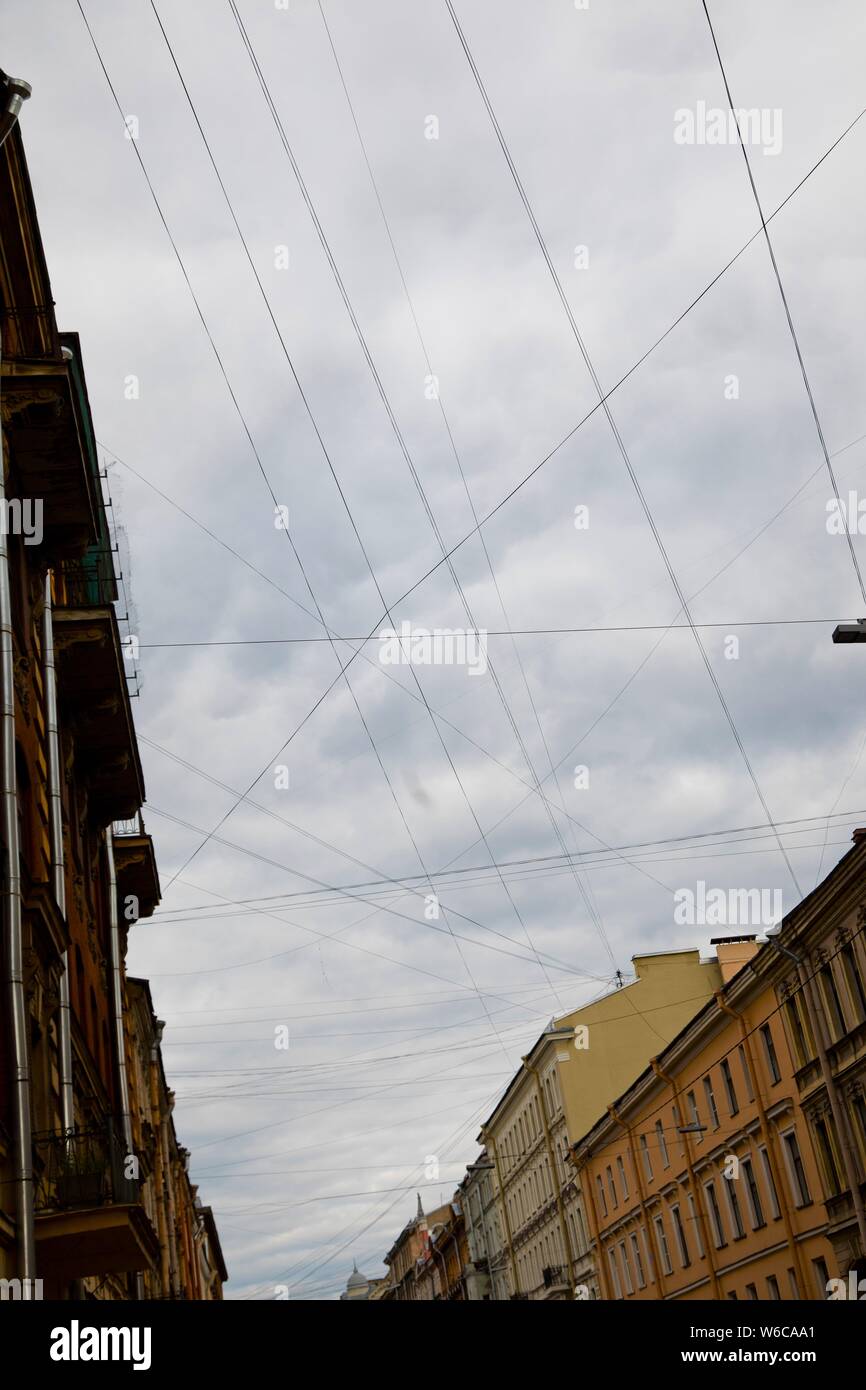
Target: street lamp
(850, 632)
(770, 935)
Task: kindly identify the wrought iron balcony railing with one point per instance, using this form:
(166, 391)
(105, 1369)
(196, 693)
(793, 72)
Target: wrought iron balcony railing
(132, 827)
(84, 1168)
(553, 1275)
(90, 582)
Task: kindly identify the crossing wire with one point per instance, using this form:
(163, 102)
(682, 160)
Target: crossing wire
(784, 298)
(603, 402)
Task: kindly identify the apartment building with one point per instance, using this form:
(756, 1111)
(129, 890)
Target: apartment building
(79, 1205)
(577, 1064)
(734, 1166)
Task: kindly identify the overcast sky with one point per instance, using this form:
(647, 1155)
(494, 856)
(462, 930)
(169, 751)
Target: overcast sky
(403, 1030)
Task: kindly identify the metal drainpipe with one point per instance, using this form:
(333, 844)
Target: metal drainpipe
(814, 1004)
(14, 954)
(117, 993)
(581, 1164)
(169, 1192)
(554, 1180)
(58, 867)
(644, 1209)
(117, 1010)
(489, 1140)
(159, 1174)
(698, 1192)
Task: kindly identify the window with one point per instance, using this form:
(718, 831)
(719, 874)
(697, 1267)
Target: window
(662, 1143)
(696, 1225)
(730, 1186)
(611, 1186)
(647, 1162)
(858, 1106)
(680, 1234)
(747, 1077)
(650, 1263)
(711, 1102)
(614, 1273)
(773, 1287)
(793, 1285)
(755, 1209)
(770, 1054)
(768, 1175)
(638, 1262)
(580, 1230)
(731, 1094)
(732, 1293)
(822, 1277)
(715, 1215)
(752, 1292)
(828, 1158)
(664, 1254)
(601, 1197)
(694, 1113)
(796, 1023)
(833, 1002)
(855, 981)
(626, 1266)
(796, 1171)
(621, 1170)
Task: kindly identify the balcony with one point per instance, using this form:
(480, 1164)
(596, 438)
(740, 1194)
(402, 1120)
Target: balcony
(554, 1280)
(88, 1216)
(92, 684)
(135, 864)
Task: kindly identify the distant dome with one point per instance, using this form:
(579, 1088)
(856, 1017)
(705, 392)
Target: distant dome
(357, 1280)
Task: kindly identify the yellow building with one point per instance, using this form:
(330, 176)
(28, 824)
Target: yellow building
(733, 1167)
(538, 1236)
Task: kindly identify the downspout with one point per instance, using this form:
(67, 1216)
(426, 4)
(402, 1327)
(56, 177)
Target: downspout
(770, 1137)
(648, 1225)
(14, 944)
(17, 92)
(554, 1178)
(503, 1201)
(696, 1189)
(159, 1173)
(595, 1224)
(169, 1192)
(58, 867)
(117, 994)
(812, 995)
(117, 1011)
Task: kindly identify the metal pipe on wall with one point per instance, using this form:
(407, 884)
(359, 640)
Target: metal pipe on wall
(117, 993)
(58, 866)
(14, 943)
(17, 91)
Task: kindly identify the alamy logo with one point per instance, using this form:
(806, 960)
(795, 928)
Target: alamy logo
(24, 1290)
(846, 516)
(76, 1343)
(731, 907)
(714, 126)
(443, 646)
(855, 1288)
(22, 516)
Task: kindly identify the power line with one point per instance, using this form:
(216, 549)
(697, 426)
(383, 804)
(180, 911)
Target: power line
(347, 509)
(585, 890)
(624, 454)
(508, 632)
(241, 849)
(421, 492)
(784, 298)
